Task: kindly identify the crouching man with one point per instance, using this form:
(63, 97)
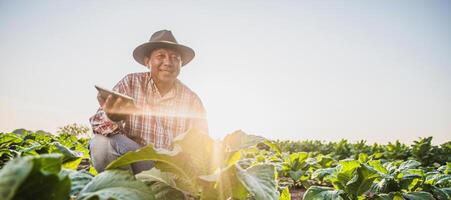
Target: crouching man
(164, 107)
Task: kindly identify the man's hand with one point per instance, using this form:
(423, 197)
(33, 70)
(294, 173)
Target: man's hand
(115, 108)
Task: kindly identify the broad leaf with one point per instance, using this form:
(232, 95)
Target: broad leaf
(223, 185)
(447, 191)
(79, 180)
(209, 169)
(239, 140)
(325, 161)
(321, 173)
(386, 185)
(162, 184)
(162, 191)
(273, 146)
(362, 180)
(115, 184)
(73, 165)
(28, 177)
(296, 175)
(376, 164)
(344, 173)
(389, 196)
(418, 196)
(199, 149)
(322, 193)
(260, 181)
(410, 164)
(438, 193)
(6, 139)
(169, 160)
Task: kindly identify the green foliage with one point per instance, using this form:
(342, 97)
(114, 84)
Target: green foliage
(115, 184)
(422, 150)
(27, 143)
(79, 179)
(34, 177)
(162, 184)
(210, 169)
(240, 166)
(323, 193)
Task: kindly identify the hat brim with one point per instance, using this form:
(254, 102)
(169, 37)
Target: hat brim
(143, 50)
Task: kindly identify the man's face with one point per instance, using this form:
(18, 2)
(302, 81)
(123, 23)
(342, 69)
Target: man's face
(164, 65)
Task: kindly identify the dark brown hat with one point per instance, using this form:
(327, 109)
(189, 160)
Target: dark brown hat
(162, 39)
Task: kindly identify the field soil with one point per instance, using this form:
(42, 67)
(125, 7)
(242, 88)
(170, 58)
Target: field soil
(297, 193)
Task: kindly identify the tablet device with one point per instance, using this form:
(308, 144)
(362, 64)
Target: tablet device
(105, 92)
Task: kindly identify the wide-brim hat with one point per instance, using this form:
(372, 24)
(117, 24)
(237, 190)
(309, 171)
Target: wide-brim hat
(162, 39)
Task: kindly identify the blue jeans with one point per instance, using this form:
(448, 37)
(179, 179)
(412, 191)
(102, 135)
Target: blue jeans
(104, 150)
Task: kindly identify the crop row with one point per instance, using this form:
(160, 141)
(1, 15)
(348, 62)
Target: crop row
(39, 165)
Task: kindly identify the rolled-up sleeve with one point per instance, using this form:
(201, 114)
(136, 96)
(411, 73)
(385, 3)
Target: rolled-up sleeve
(102, 125)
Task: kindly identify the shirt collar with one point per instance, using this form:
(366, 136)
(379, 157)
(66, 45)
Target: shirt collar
(171, 94)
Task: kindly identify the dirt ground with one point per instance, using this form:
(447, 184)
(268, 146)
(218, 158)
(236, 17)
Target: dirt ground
(297, 193)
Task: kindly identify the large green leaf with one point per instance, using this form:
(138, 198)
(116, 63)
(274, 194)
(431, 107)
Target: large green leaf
(34, 177)
(389, 196)
(322, 193)
(260, 181)
(73, 165)
(438, 179)
(386, 185)
(321, 173)
(156, 175)
(190, 157)
(296, 175)
(377, 165)
(115, 184)
(169, 160)
(410, 164)
(362, 180)
(275, 147)
(200, 150)
(418, 196)
(438, 193)
(79, 179)
(175, 161)
(239, 140)
(410, 179)
(447, 191)
(344, 173)
(325, 161)
(299, 160)
(162, 191)
(162, 184)
(6, 139)
(222, 185)
(208, 168)
(382, 197)
(13, 175)
(68, 154)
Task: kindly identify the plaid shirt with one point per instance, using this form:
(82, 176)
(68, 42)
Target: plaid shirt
(161, 119)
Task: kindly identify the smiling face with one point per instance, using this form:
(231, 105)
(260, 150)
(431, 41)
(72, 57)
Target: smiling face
(164, 65)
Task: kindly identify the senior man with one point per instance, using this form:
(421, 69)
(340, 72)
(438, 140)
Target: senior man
(164, 106)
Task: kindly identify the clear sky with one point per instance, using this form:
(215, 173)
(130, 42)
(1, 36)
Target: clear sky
(372, 70)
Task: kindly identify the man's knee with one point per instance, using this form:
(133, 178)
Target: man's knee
(102, 153)
(105, 150)
(99, 145)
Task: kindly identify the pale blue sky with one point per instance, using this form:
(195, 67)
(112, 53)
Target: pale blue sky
(373, 70)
